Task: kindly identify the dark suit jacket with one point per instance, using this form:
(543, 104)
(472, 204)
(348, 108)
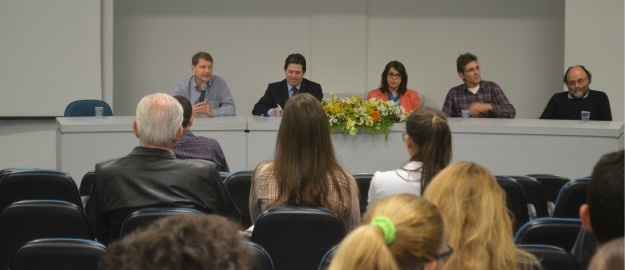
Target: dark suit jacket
(150, 177)
(277, 93)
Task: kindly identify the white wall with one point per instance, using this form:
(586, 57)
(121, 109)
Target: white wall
(594, 38)
(49, 55)
(147, 45)
(347, 43)
(28, 143)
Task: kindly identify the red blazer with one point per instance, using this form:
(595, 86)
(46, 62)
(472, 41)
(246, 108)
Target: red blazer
(409, 100)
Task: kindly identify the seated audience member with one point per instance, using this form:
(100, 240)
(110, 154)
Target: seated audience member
(398, 232)
(276, 95)
(197, 147)
(209, 93)
(602, 215)
(151, 175)
(181, 242)
(478, 222)
(570, 104)
(394, 86)
(428, 142)
(609, 256)
(481, 98)
(584, 248)
(305, 170)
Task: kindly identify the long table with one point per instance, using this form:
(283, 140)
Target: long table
(506, 146)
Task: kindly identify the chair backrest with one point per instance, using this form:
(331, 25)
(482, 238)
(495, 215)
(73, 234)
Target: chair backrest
(224, 175)
(327, 258)
(551, 184)
(145, 216)
(364, 182)
(85, 184)
(86, 107)
(534, 195)
(550, 257)
(59, 254)
(571, 197)
(25, 221)
(263, 259)
(559, 232)
(515, 200)
(297, 237)
(238, 185)
(36, 184)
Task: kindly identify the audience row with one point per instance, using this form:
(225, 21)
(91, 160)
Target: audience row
(305, 172)
(460, 222)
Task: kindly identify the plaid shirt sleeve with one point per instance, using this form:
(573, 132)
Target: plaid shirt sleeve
(502, 108)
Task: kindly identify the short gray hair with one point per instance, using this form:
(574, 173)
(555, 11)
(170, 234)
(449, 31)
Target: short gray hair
(159, 118)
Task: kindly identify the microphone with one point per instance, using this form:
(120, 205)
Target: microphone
(203, 89)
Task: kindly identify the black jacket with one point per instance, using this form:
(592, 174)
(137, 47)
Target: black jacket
(278, 93)
(150, 177)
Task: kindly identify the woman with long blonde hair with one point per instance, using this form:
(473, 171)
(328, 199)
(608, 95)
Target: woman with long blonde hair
(305, 170)
(398, 232)
(479, 224)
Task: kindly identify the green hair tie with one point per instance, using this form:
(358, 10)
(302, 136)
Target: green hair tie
(387, 227)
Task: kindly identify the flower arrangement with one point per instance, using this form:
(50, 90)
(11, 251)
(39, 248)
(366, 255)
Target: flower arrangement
(351, 114)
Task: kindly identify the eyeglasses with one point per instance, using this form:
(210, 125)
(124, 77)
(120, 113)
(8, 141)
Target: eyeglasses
(471, 70)
(393, 75)
(445, 255)
(403, 136)
(580, 81)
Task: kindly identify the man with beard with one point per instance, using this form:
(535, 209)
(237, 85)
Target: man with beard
(570, 104)
(481, 98)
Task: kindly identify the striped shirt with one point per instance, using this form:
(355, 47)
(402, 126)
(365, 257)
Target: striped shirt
(197, 147)
(264, 192)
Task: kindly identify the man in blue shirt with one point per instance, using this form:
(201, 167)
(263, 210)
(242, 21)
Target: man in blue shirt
(208, 93)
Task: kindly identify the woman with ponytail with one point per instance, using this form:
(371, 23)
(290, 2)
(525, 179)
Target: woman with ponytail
(428, 142)
(398, 232)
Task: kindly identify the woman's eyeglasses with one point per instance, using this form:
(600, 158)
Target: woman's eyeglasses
(394, 75)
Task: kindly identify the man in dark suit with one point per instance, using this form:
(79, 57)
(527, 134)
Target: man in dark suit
(152, 176)
(278, 93)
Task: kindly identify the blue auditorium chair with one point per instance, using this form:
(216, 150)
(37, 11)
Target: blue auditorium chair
(145, 216)
(298, 237)
(59, 254)
(29, 220)
(86, 107)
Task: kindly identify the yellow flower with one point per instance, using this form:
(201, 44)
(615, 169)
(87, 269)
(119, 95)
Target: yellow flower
(348, 115)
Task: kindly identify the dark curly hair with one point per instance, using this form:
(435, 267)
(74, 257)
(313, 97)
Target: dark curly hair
(181, 242)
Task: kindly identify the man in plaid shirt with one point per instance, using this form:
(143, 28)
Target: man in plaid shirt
(482, 98)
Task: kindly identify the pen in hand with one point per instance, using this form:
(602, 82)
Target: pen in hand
(278, 112)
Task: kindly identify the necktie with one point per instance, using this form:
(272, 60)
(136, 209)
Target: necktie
(294, 91)
(202, 88)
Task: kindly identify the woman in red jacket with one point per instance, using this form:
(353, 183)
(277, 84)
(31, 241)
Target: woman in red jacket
(393, 86)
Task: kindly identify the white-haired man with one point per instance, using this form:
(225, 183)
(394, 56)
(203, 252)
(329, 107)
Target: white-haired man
(151, 175)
